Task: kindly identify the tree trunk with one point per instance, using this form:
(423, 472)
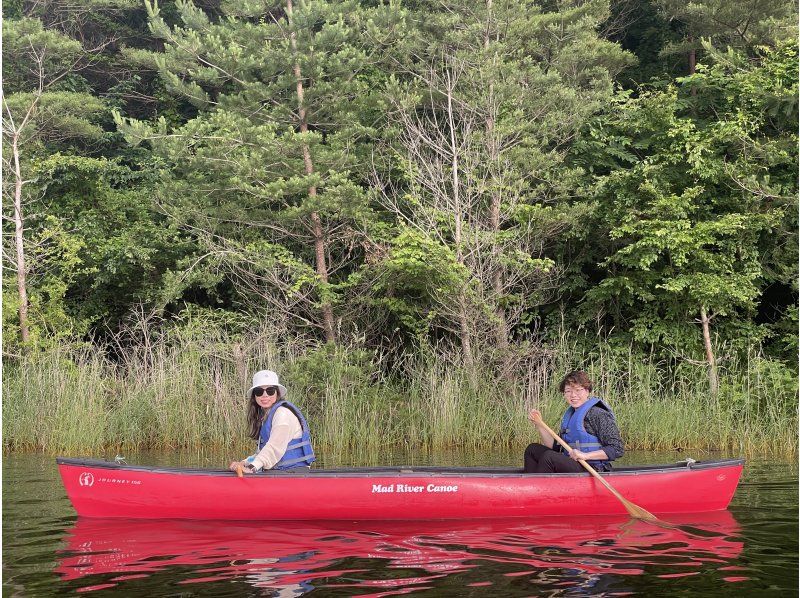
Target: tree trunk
(316, 221)
(713, 378)
(463, 318)
(22, 288)
(487, 31)
(692, 64)
(501, 326)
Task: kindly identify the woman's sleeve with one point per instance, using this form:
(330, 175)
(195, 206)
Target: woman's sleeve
(605, 428)
(285, 426)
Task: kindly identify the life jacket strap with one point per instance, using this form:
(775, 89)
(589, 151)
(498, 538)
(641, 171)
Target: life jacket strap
(297, 460)
(586, 445)
(292, 445)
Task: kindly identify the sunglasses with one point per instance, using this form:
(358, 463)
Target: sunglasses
(258, 391)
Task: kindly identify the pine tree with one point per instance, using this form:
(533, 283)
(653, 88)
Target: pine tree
(268, 172)
(743, 24)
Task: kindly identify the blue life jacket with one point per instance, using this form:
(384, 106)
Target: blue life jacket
(299, 452)
(574, 433)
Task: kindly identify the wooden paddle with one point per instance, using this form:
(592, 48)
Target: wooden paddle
(239, 471)
(634, 511)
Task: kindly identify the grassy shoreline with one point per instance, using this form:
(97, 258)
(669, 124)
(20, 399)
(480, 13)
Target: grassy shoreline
(182, 393)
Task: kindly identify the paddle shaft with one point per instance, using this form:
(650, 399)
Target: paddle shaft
(586, 466)
(239, 472)
(633, 510)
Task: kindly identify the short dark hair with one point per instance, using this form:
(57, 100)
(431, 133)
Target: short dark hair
(577, 377)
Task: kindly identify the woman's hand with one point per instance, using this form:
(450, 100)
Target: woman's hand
(235, 465)
(577, 455)
(536, 417)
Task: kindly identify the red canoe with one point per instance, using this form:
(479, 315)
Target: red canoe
(104, 489)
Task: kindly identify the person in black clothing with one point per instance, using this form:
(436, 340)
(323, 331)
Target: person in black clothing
(588, 426)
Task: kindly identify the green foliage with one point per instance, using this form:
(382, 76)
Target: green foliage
(124, 246)
(56, 117)
(31, 52)
(313, 373)
(414, 276)
(744, 25)
(167, 172)
(691, 219)
(245, 174)
(476, 159)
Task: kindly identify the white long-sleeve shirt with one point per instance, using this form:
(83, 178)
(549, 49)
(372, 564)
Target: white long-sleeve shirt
(285, 428)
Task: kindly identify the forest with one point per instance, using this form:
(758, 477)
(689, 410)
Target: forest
(421, 214)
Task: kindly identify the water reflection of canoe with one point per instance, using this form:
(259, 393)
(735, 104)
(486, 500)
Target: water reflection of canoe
(281, 554)
(102, 489)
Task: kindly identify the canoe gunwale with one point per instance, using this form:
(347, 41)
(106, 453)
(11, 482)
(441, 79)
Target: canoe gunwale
(403, 471)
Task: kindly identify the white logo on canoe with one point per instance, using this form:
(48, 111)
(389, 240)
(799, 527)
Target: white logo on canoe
(411, 489)
(86, 479)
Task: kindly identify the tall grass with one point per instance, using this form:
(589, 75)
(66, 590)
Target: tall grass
(187, 390)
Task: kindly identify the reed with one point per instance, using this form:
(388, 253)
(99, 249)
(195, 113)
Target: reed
(186, 389)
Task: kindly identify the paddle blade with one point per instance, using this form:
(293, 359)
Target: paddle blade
(638, 512)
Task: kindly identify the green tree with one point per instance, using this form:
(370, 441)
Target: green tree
(269, 172)
(41, 111)
(744, 24)
(700, 191)
(491, 108)
(123, 248)
(91, 244)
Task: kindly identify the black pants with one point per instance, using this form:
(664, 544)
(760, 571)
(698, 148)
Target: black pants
(540, 459)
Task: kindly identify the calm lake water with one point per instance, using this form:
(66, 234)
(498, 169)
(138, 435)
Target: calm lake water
(750, 549)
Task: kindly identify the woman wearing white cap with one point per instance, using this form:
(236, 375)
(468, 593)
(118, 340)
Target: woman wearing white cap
(283, 437)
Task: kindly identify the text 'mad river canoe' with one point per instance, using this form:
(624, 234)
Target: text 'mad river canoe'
(109, 489)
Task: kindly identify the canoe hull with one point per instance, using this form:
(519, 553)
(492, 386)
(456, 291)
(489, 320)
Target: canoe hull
(99, 489)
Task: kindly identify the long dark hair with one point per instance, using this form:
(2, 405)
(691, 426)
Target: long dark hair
(255, 413)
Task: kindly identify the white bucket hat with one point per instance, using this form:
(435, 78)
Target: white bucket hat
(267, 378)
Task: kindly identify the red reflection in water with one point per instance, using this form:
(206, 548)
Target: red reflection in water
(297, 556)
